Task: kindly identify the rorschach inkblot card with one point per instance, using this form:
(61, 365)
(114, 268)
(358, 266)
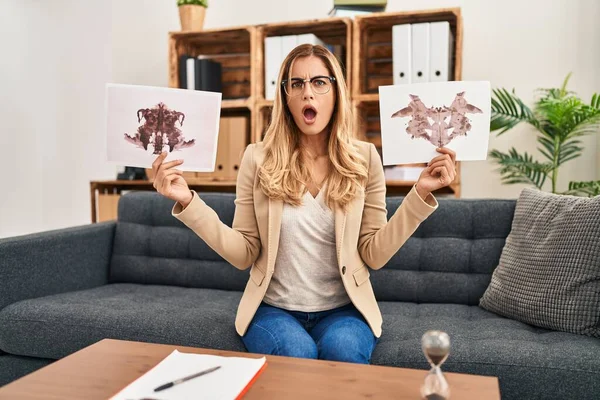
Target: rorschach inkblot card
(143, 121)
(418, 118)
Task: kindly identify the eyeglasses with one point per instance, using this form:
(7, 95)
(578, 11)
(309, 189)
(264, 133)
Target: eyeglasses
(319, 84)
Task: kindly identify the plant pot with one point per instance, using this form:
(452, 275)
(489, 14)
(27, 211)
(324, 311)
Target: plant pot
(192, 17)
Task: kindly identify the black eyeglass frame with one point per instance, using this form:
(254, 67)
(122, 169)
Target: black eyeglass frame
(285, 81)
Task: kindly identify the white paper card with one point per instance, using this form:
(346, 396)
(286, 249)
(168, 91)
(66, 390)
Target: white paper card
(225, 383)
(418, 118)
(142, 121)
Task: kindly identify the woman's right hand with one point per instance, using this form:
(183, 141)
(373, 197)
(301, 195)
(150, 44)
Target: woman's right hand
(169, 181)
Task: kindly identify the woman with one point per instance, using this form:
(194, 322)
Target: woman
(310, 217)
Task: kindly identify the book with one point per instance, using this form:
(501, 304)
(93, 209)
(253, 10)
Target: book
(351, 11)
(380, 3)
(230, 382)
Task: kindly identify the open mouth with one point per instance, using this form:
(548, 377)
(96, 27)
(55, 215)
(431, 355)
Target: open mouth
(309, 113)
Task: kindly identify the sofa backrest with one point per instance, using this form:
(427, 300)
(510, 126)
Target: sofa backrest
(153, 247)
(449, 258)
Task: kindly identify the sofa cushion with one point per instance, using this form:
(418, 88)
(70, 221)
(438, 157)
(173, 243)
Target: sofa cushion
(55, 326)
(549, 271)
(152, 247)
(15, 367)
(450, 257)
(527, 360)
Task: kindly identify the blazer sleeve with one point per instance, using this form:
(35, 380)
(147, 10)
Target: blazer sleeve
(379, 239)
(240, 244)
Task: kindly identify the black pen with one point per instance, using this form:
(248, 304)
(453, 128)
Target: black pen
(178, 381)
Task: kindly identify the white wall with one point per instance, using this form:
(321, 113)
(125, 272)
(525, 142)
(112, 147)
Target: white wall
(55, 59)
(57, 56)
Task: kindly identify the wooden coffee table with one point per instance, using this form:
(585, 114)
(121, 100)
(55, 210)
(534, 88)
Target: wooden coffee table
(103, 369)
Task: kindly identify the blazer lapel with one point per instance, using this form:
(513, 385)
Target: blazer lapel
(340, 224)
(275, 211)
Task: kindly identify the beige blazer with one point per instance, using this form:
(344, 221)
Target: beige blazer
(364, 237)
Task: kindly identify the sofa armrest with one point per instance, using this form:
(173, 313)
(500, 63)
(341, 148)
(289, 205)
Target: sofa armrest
(56, 261)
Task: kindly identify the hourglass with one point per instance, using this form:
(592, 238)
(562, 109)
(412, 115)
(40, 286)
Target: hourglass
(436, 346)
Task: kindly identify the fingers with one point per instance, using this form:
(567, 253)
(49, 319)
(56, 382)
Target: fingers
(444, 169)
(443, 173)
(166, 187)
(451, 158)
(444, 162)
(157, 163)
(164, 177)
(447, 151)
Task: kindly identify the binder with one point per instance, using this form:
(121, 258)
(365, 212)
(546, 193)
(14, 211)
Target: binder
(401, 53)
(420, 52)
(272, 63)
(288, 43)
(181, 71)
(190, 71)
(222, 158)
(308, 38)
(237, 134)
(440, 55)
(208, 75)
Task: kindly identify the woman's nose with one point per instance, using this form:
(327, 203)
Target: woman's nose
(307, 92)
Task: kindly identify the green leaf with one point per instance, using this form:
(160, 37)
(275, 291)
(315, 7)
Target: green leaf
(563, 89)
(590, 189)
(203, 3)
(517, 168)
(548, 150)
(559, 115)
(567, 117)
(508, 111)
(595, 103)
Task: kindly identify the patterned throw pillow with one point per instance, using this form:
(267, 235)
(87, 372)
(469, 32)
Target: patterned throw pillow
(549, 270)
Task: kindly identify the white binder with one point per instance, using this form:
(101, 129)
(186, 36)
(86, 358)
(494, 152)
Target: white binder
(190, 73)
(308, 38)
(288, 43)
(273, 60)
(440, 55)
(420, 52)
(401, 53)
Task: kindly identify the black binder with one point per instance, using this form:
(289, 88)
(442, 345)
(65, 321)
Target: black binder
(208, 74)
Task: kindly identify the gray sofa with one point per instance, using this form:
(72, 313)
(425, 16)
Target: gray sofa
(149, 278)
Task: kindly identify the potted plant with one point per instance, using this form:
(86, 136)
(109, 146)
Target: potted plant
(561, 118)
(191, 14)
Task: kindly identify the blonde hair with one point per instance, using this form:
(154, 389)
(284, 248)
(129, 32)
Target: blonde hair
(284, 174)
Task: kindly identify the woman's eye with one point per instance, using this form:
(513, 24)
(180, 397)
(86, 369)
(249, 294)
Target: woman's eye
(319, 82)
(296, 85)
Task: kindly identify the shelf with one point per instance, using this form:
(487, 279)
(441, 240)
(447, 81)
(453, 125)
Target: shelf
(367, 41)
(264, 103)
(236, 104)
(232, 48)
(372, 51)
(366, 98)
(332, 31)
(262, 113)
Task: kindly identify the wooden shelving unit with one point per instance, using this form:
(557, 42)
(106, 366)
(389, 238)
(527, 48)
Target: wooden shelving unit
(367, 63)
(373, 67)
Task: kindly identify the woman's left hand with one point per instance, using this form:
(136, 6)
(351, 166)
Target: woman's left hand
(440, 172)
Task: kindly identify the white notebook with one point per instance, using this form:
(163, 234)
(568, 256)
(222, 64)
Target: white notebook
(229, 382)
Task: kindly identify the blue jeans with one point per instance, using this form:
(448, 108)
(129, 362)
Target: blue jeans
(340, 334)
